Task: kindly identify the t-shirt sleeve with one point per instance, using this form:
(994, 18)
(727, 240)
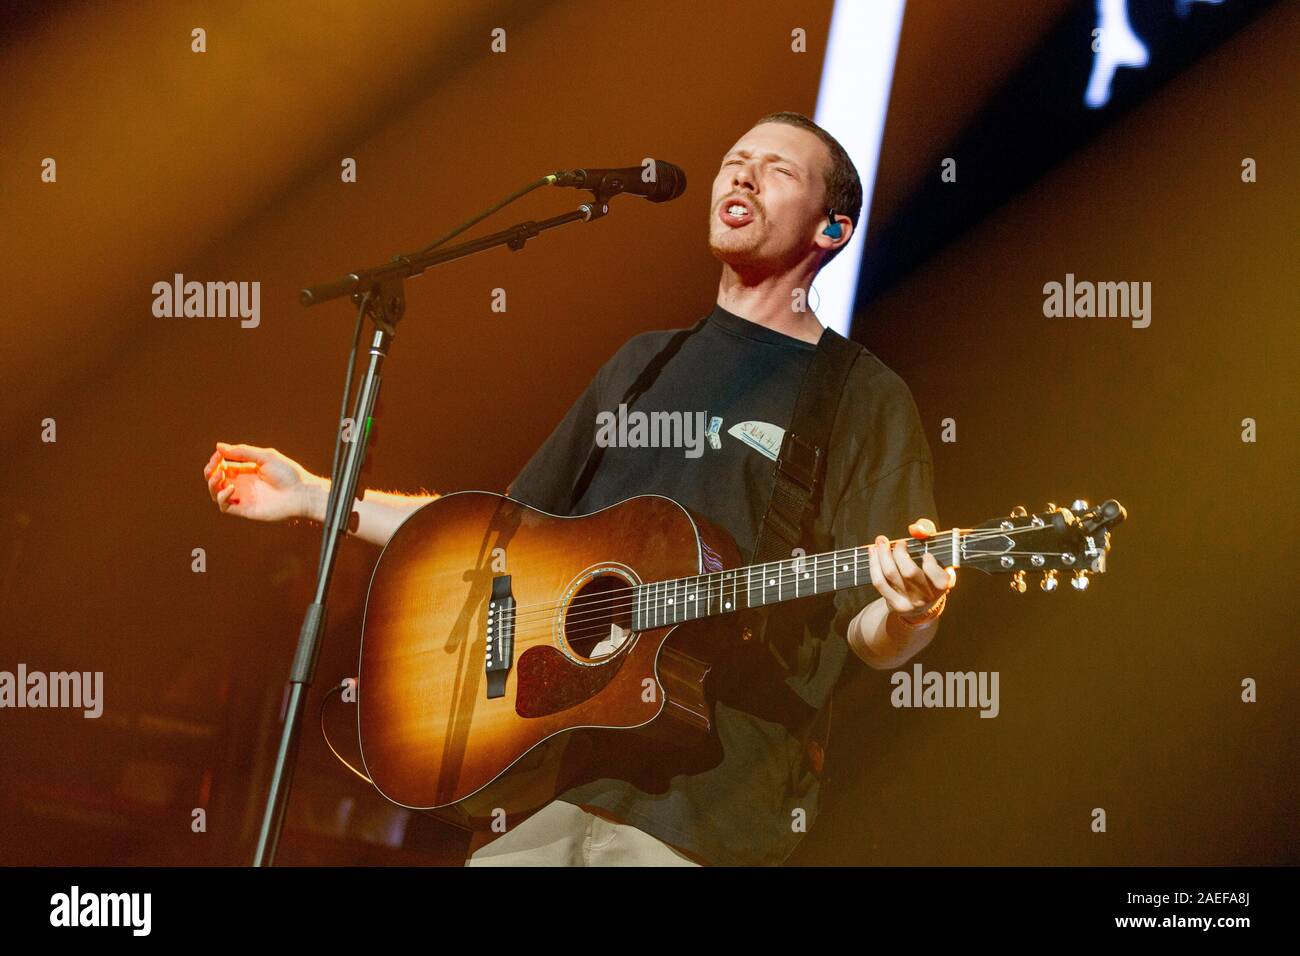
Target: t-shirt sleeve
(887, 506)
(891, 486)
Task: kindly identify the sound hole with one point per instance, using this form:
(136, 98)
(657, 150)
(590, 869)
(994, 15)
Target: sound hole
(598, 621)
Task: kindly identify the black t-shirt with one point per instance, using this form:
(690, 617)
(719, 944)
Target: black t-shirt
(737, 804)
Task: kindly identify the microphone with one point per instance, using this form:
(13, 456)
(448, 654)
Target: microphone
(669, 181)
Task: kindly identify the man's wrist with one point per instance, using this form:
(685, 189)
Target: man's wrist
(313, 497)
(923, 618)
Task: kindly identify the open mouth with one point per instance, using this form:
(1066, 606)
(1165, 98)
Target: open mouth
(736, 212)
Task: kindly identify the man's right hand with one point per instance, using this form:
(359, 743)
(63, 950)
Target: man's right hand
(262, 484)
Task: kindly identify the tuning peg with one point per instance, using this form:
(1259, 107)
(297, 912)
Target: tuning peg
(1078, 506)
(1019, 511)
(1049, 582)
(1018, 582)
(1080, 581)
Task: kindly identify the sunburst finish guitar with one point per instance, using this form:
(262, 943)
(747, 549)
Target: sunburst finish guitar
(491, 627)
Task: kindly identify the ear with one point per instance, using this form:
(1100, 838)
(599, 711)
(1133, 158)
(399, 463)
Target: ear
(846, 232)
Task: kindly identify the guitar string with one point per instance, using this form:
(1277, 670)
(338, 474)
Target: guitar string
(942, 538)
(545, 608)
(580, 623)
(590, 629)
(618, 599)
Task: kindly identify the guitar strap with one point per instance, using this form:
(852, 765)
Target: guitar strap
(634, 391)
(797, 493)
(801, 466)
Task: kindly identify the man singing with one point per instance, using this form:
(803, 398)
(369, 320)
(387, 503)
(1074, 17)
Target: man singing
(785, 201)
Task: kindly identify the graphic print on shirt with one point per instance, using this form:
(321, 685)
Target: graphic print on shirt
(715, 425)
(763, 437)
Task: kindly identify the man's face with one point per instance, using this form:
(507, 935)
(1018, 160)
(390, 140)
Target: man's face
(777, 173)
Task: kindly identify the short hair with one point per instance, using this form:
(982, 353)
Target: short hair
(843, 187)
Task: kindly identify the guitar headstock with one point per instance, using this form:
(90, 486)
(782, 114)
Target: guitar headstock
(1073, 540)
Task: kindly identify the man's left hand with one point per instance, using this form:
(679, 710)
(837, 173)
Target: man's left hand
(910, 591)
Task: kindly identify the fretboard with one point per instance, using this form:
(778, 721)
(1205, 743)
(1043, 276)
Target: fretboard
(663, 603)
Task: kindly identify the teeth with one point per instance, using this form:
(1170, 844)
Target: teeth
(737, 210)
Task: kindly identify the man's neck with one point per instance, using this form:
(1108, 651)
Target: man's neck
(770, 301)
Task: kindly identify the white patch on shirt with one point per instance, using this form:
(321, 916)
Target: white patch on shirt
(715, 423)
(763, 437)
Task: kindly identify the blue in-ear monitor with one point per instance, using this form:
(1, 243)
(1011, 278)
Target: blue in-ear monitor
(834, 230)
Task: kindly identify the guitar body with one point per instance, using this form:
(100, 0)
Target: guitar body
(434, 731)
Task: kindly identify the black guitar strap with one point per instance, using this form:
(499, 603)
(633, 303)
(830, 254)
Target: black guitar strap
(796, 498)
(634, 391)
(801, 466)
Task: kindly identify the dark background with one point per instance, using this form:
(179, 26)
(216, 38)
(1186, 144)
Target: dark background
(226, 166)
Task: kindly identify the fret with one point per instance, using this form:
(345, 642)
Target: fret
(664, 603)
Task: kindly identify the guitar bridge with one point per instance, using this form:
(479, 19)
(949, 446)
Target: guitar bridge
(500, 636)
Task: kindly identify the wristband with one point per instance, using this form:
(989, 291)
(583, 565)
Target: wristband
(935, 610)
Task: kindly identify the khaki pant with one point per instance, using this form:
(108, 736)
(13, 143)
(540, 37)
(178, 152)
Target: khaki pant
(561, 834)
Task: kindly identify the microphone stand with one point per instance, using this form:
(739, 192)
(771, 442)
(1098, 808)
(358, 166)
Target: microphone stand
(381, 292)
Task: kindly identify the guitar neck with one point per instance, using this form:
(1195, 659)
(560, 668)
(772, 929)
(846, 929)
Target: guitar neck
(664, 603)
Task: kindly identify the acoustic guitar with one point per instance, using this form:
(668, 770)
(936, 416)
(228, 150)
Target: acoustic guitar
(491, 627)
